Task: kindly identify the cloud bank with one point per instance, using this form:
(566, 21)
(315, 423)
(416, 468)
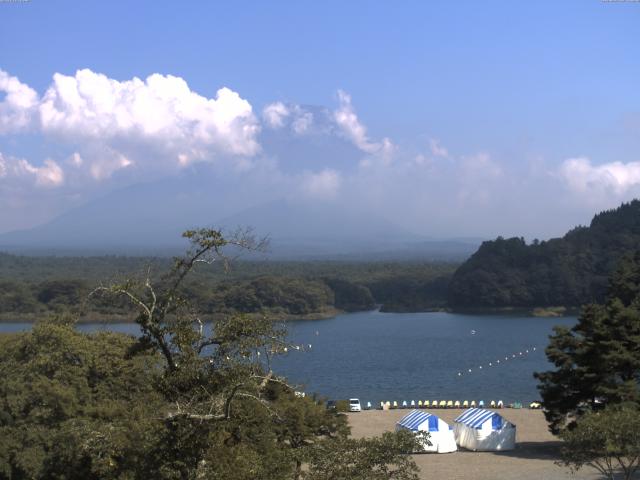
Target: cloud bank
(110, 133)
(116, 124)
(617, 178)
(48, 175)
(18, 107)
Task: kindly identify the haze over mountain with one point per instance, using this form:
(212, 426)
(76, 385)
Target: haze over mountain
(150, 217)
(300, 211)
(381, 131)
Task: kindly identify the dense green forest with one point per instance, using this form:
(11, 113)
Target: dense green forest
(177, 402)
(568, 271)
(32, 286)
(504, 273)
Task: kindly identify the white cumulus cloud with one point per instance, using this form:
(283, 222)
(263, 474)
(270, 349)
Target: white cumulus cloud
(351, 127)
(582, 176)
(275, 114)
(278, 115)
(49, 174)
(302, 122)
(154, 123)
(162, 110)
(18, 106)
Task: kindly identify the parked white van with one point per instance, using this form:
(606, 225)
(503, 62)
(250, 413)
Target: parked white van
(354, 405)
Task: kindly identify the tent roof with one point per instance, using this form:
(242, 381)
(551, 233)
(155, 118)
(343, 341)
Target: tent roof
(475, 417)
(414, 419)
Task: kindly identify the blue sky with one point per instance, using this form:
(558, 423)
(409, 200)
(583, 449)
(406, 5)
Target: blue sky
(544, 93)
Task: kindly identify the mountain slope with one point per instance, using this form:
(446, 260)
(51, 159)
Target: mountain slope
(568, 271)
(149, 218)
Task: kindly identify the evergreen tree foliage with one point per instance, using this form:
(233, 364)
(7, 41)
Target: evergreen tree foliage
(568, 271)
(74, 405)
(598, 360)
(184, 401)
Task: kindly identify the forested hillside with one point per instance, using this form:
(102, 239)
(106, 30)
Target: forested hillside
(33, 286)
(568, 271)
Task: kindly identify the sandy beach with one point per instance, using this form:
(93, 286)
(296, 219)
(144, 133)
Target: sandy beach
(533, 459)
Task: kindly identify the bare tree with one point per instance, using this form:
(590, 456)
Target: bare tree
(207, 366)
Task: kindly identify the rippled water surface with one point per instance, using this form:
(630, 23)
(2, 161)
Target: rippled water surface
(403, 356)
(385, 356)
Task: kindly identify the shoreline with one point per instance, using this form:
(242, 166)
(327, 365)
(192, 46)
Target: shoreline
(119, 318)
(538, 312)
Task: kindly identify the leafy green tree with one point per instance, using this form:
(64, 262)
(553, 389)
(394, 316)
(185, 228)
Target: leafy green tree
(303, 421)
(350, 297)
(608, 441)
(229, 416)
(598, 360)
(382, 458)
(186, 400)
(74, 406)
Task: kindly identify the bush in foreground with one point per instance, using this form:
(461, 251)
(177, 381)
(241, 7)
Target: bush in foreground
(608, 441)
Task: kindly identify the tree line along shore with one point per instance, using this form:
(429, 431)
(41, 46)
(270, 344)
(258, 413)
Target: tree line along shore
(545, 278)
(184, 402)
(34, 286)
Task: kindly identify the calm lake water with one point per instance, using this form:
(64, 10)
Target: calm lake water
(410, 356)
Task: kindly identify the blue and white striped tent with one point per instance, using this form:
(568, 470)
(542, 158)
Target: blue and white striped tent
(476, 417)
(480, 429)
(440, 433)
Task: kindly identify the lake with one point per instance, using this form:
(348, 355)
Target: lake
(410, 356)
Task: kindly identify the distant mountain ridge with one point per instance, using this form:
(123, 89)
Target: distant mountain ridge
(148, 219)
(568, 271)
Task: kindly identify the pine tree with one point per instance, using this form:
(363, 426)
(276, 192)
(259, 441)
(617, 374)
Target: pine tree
(598, 360)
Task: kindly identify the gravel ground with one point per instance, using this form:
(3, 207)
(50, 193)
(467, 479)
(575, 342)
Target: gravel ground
(533, 459)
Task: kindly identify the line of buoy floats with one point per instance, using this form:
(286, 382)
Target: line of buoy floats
(443, 404)
(499, 361)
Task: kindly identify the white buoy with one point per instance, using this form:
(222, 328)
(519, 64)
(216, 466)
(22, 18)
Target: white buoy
(469, 370)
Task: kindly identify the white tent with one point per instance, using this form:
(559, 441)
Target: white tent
(440, 433)
(478, 429)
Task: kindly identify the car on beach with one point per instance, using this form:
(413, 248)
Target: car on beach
(354, 405)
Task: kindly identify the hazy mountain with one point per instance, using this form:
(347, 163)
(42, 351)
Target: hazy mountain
(151, 214)
(148, 218)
